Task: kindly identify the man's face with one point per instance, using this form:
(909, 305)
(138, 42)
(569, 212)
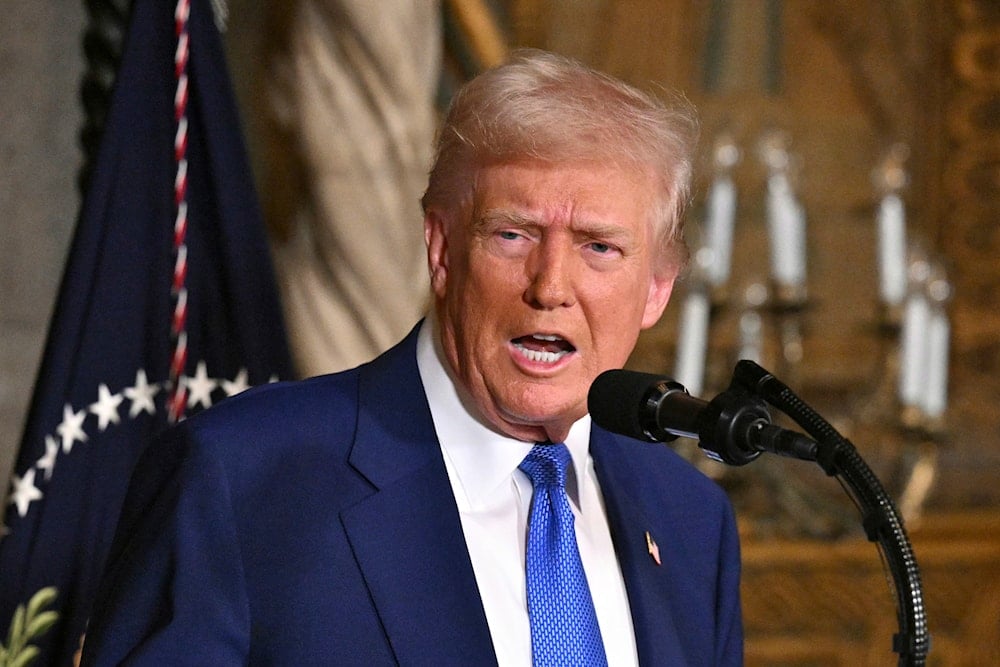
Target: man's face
(547, 286)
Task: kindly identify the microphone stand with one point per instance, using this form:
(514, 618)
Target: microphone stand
(880, 518)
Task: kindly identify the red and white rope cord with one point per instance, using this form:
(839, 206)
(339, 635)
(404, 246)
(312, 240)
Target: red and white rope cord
(177, 401)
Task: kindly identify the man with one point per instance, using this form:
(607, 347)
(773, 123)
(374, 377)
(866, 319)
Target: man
(382, 515)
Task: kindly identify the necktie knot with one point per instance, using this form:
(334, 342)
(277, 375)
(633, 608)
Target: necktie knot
(546, 464)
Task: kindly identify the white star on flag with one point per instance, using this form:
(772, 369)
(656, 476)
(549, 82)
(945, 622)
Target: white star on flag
(47, 462)
(23, 491)
(241, 383)
(71, 428)
(141, 395)
(200, 387)
(106, 407)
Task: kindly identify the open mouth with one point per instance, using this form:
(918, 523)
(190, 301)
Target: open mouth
(543, 348)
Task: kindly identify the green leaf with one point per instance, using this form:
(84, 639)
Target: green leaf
(15, 638)
(43, 598)
(28, 624)
(25, 657)
(38, 625)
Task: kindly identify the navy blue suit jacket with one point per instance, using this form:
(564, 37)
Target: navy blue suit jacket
(312, 523)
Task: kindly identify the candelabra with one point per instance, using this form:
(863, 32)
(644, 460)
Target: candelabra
(900, 412)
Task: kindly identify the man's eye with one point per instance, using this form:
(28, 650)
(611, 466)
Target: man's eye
(507, 235)
(601, 248)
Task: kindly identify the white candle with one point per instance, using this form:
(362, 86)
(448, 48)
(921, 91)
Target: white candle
(719, 229)
(692, 343)
(935, 397)
(892, 249)
(913, 349)
(786, 228)
(751, 337)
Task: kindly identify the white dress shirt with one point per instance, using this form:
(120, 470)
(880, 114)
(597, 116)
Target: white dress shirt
(494, 498)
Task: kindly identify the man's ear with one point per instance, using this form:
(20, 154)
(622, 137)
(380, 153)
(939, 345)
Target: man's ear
(660, 289)
(436, 239)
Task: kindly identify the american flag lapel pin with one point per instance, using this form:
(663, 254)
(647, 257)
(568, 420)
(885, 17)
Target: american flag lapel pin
(654, 550)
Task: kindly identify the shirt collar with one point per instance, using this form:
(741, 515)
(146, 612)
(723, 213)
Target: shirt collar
(479, 456)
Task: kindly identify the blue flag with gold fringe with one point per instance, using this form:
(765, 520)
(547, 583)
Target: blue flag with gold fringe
(167, 305)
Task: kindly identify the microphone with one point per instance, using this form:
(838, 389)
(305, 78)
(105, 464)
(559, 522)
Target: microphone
(734, 427)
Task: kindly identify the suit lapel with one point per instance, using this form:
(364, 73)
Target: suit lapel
(407, 536)
(648, 583)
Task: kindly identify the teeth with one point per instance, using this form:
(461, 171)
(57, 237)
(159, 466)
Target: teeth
(549, 337)
(539, 356)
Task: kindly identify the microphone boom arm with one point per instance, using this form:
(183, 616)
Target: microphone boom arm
(881, 520)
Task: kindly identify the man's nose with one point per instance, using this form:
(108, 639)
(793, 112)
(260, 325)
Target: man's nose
(550, 276)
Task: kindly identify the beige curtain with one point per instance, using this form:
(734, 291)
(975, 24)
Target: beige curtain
(349, 117)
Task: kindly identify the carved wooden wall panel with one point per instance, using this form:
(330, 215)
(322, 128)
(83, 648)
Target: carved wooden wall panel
(970, 224)
(813, 603)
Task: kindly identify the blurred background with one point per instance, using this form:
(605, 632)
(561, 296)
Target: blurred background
(845, 230)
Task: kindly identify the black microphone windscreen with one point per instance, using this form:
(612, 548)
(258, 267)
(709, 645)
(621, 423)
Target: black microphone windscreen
(616, 398)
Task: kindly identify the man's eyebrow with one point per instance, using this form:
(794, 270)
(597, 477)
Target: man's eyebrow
(500, 217)
(602, 230)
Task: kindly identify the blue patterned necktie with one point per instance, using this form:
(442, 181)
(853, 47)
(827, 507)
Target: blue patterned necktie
(564, 629)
